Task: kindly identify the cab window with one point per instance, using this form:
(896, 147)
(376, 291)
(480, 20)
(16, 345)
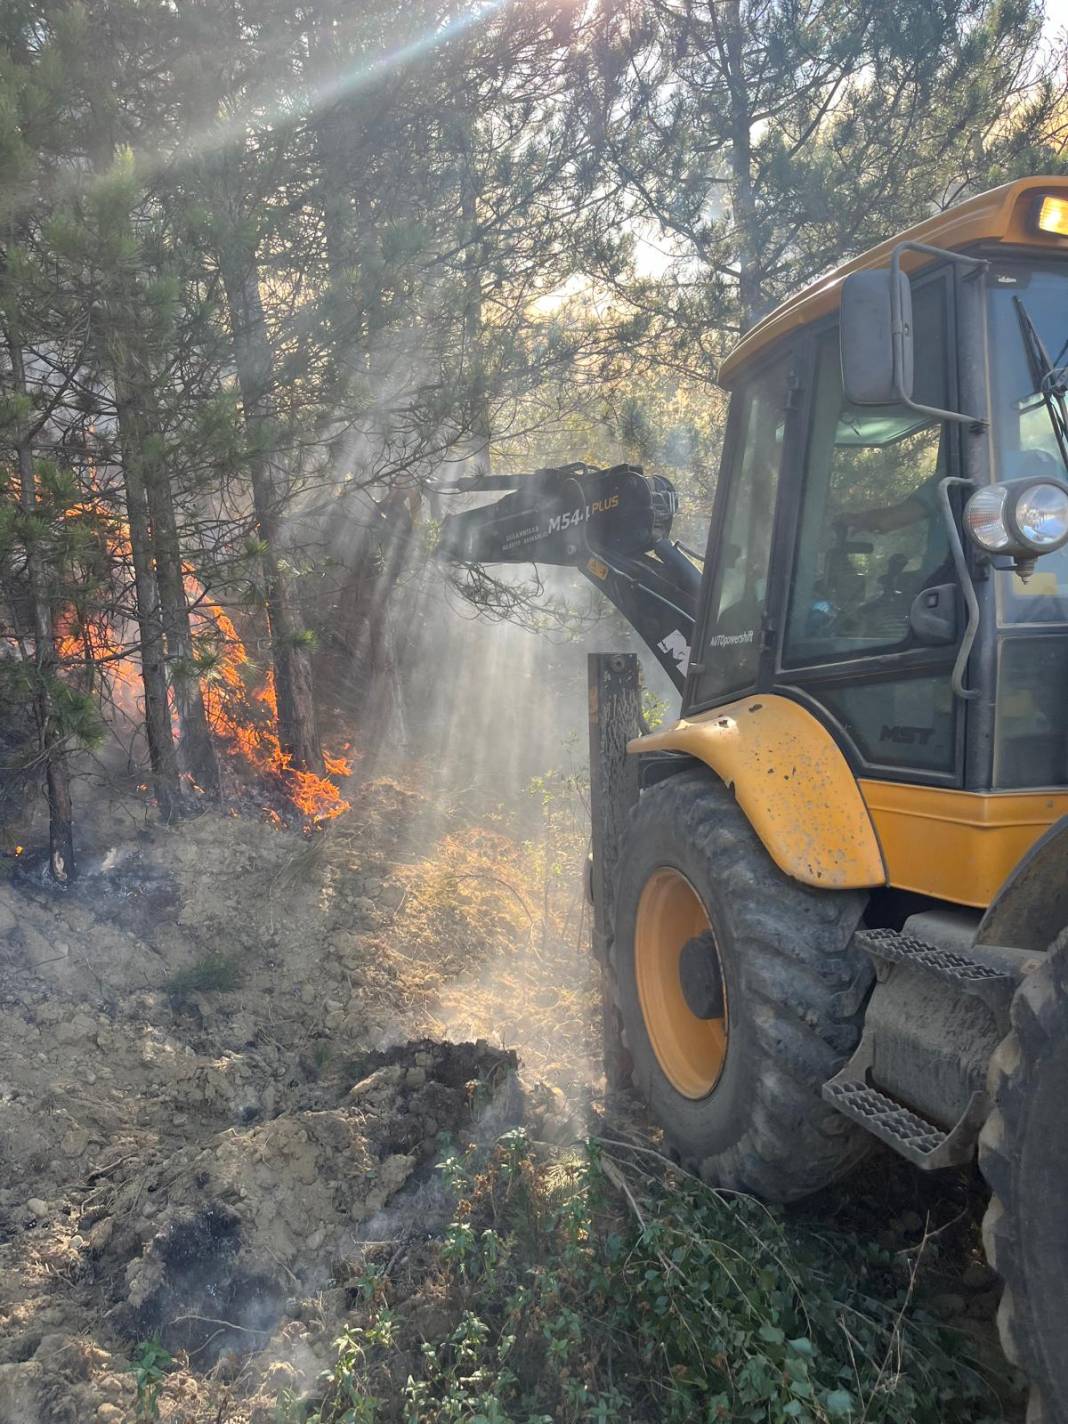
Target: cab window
(871, 533)
(1022, 295)
(730, 653)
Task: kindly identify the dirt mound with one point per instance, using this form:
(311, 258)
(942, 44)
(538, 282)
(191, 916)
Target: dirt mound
(211, 1251)
(276, 1203)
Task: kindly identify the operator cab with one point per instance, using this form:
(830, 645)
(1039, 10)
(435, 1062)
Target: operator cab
(842, 569)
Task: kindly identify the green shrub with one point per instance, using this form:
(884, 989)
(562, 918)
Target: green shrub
(149, 1367)
(613, 1287)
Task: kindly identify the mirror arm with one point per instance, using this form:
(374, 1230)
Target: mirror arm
(960, 560)
(975, 265)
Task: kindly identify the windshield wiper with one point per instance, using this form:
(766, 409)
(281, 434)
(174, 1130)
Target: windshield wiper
(1048, 379)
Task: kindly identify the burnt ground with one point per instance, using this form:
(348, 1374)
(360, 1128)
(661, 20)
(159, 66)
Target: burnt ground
(222, 1074)
(231, 1059)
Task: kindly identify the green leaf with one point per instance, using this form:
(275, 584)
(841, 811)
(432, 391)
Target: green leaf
(838, 1404)
(771, 1333)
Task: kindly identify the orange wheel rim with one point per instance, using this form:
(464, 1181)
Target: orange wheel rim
(691, 1051)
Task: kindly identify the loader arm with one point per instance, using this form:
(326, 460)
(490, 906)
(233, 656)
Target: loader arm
(611, 525)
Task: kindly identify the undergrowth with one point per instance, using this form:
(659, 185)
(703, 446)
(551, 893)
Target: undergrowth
(612, 1287)
(149, 1367)
(497, 915)
(211, 973)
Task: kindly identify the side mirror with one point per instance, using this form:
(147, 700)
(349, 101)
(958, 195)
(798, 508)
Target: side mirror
(876, 368)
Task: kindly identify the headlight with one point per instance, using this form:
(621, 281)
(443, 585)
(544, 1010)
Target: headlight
(1041, 516)
(985, 518)
(1023, 518)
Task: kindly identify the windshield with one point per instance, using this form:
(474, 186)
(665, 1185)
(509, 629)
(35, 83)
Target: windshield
(1028, 316)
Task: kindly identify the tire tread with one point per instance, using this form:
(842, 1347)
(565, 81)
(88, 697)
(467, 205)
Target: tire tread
(807, 981)
(1038, 1016)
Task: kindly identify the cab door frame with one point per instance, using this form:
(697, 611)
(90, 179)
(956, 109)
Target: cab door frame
(791, 349)
(804, 683)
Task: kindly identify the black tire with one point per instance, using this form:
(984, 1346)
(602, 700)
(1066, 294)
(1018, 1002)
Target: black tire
(796, 987)
(1023, 1154)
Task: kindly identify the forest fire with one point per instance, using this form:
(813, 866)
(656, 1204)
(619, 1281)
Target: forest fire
(93, 643)
(517, 395)
(243, 722)
(249, 729)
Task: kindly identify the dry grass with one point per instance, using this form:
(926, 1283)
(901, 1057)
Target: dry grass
(499, 921)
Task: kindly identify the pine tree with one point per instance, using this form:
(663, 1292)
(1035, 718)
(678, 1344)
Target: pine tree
(231, 176)
(20, 424)
(45, 686)
(769, 141)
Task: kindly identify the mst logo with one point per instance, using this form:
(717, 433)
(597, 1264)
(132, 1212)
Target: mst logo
(906, 736)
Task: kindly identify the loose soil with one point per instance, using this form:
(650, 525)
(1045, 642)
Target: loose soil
(224, 1076)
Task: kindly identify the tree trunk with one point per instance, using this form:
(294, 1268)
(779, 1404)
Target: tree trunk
(338, 129)
(161, 753)
(297, 730)
(332, 146)
(374, 617)
(614, 720)
(196, 751)
(385, 718)
(743, 199)
(125, 364)
(61, 860)
(480, 432)
(383, 712)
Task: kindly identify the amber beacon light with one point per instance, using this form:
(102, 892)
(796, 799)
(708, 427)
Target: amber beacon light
(1051, 215)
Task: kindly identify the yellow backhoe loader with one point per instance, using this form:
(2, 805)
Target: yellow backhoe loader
(831, 900)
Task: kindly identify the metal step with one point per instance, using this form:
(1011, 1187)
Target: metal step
(894, 1010)
(903, 1130)
(946, 963)
(975, 974)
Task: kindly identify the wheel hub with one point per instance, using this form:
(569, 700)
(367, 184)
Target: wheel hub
(702, 986)
(680, 984)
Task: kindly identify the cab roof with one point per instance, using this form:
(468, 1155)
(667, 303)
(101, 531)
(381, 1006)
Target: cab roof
(999, 215)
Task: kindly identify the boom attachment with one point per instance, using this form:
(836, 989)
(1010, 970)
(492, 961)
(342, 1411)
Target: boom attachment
(612, 525)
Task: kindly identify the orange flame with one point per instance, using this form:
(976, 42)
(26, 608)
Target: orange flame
(244, 719)
(95, 640)
(234, 718)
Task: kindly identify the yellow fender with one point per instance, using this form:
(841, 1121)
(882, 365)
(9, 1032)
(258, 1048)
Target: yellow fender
(793, 783)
